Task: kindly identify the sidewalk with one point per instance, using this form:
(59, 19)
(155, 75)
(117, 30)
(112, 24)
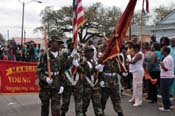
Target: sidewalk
(128, 92)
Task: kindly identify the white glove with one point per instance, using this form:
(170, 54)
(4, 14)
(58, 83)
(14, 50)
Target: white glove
(124, 74)
(73, 52)
(49, 80)
(99, 67)
(64, 51)
(102, 83)
(61, 90)
(75, 63)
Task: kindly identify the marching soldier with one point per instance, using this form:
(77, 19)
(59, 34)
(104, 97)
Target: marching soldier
(72, 82)
(110, 85)
(91, 83)
(50, 87)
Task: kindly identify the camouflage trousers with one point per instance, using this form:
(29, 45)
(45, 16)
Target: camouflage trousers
(113, 93)
(50, 95)
(93, 94)
(66, 96)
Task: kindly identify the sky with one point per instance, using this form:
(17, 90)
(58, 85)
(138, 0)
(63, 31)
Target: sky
(11, 13)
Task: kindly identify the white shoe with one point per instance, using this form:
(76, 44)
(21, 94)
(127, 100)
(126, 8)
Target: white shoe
(159, 96)
(136, 105)
(172, 107)
(171, 99)
(163, 109)
(131, 100)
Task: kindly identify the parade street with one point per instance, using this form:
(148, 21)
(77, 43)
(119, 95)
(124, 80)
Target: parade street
(29, 105)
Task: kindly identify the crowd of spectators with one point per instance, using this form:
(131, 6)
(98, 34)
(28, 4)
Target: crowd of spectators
(159, 59)
(24, 53)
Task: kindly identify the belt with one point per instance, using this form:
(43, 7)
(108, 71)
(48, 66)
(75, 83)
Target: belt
(110, 74)
(52, 73)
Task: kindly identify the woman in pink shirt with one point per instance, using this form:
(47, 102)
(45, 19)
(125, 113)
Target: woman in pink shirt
(166, 77)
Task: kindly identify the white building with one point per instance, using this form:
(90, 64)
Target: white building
(166, 27)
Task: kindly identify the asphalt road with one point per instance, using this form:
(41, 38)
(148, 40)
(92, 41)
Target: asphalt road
(29, 105)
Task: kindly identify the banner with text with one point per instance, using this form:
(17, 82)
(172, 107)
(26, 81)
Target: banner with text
(18, 77)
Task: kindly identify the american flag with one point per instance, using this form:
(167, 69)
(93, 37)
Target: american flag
(78, 18)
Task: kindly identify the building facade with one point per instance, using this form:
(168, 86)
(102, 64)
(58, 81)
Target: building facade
(166, 27)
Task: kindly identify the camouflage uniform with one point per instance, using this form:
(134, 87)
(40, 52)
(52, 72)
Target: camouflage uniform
(69, 88)
(111, 85)
(91, 87)
(49, 92)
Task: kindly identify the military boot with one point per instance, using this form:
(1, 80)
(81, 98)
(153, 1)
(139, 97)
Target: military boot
(63, 114)
(101, 115)
(120, 114)
(84, 114)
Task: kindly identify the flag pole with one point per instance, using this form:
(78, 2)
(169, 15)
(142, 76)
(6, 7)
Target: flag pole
(147, 75)
(47, 53)
(141, 24)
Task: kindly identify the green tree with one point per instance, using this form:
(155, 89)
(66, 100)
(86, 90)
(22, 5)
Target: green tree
(161, 12)
(56, 22)
(98, 20)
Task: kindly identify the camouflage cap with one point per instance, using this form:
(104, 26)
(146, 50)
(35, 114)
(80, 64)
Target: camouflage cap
(57, 39)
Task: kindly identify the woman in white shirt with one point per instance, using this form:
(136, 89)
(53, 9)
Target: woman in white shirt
(166, 77)
(137, 70)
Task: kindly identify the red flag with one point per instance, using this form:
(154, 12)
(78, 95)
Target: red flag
(78, 18)
(147, 6)
(145, 10)
(115, 42)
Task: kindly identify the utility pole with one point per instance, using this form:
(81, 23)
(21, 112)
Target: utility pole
(22, 28)
(23, 3)
(7, 37)
(24, 36)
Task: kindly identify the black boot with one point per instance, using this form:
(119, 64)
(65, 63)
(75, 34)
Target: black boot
(120, 114)
(63, 114)
(84, 114)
